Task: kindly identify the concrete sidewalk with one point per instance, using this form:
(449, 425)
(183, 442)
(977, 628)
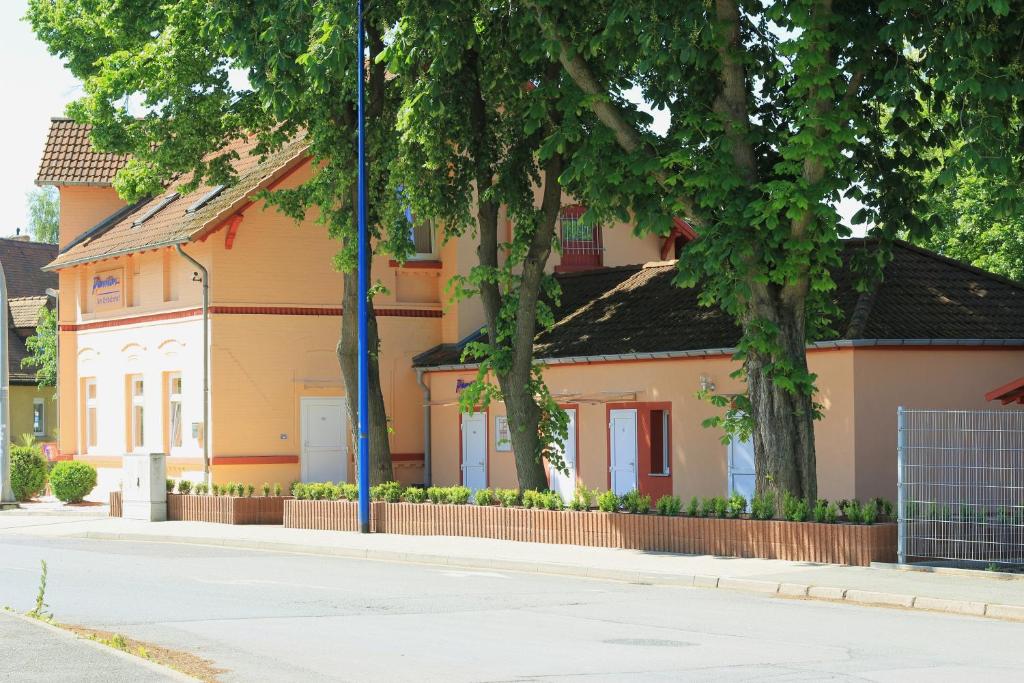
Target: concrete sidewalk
(975, 594)
(35, 651)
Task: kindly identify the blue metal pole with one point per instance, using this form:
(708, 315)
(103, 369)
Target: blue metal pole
(363, 272)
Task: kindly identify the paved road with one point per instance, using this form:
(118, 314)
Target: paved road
(265, 615)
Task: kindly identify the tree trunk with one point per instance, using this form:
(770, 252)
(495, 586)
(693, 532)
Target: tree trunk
(784, 456)
(348, 357)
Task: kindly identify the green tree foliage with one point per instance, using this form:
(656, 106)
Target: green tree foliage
(42, 349)
(44, 214)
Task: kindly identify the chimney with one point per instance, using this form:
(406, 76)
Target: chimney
(19, 237)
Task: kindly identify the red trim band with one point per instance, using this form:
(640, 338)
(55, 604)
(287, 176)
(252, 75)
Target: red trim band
(406, 457)
(425, 263)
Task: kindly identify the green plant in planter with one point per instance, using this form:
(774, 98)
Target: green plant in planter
(820, 512)
(735, 506)
(459, 495)
(249, 490)
(669, 505)
(184, 487)
(484, 497)
(277, 489)
(299, 492)
(389, 492)
(437, 495)
(507, 497)
(608, 502)
(582, 498)
(552, 500)
(28, 471)
(694, 508)
(532, 499)
(332, 491)
(202, 488)
(72, 480)
(349, 492)
(852, 512)
(170, 486)
(762, 506)
(885, 508)
(414, 494)
(721, 505)
(869, 513)
(793, 508)
(636, 502)
(265, 489)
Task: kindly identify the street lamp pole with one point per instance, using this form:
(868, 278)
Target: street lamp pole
(6, 493)
(363, 277)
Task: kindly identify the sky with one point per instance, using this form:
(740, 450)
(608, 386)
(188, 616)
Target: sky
(40, 87)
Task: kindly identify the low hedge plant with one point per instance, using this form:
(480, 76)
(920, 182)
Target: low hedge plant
(72, 480)
(28, 471)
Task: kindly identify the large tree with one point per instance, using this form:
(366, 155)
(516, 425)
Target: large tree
(206, 73)
(774, 111)
(44, 214)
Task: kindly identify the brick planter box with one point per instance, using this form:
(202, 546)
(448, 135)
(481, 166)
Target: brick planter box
(115, 504)
(797, 541)
(225, 509)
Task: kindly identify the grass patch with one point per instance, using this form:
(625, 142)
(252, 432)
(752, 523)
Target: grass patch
(185, 662)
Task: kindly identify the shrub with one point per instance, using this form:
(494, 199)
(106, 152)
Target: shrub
(170, 485)
(832, 514)
(820, 512)
(532, 499)
(184, 487)
(735, 506)
(507, 497)
(763, 506)
(414, 494)
(28, 471)
(885, 508)
(484, 497)
(72, 480)
(721, 506)
(437, 495)
(265, 489)
(869, 513)
(250, 489)
(459, 495)
(277, 489)
(202, 488)
(389, 492)
(582, 498)
(707, 507)
(232, 489)
(852, 512)
(636, 502)
(299, 491)
(608, 502)
(552, 500)
(349, 492)
(669, 505)
(794, 509)
(693, 509)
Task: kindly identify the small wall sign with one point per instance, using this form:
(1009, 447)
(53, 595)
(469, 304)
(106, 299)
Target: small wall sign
(461, 384)
(502, 435)
(107, 289)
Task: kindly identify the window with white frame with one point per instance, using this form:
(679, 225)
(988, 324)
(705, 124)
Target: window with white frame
(89, 410)
(421, 233)
(38, 416)
(136, 431)
(174, 425)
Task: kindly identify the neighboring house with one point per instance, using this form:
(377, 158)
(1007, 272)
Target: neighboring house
(627, 354)
(33, 410)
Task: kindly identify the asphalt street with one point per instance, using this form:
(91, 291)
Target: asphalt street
(276, 616)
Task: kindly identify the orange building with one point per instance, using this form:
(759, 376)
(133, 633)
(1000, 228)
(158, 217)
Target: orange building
(627, 354)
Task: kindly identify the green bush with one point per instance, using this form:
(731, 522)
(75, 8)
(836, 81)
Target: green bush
(582, 498)
(669, 505)
(820, 512)
(532, 499)
(170, 485)
(184, 487)
(551, 500)
(694, 508)
(484, 497)
(720, 506)
(459, 495)
(507, 497)
(389, 492)
(707, 507)
(72, 480)
(636, 502)
(202, 488)
(250, 489)
(265, 489)
(763, 506)
(608, 502)
(869, 513)
(794, 509)
(414, 494)
(437, 495)
(852, 512)
(298, 491)
(349, 492)
(28, 471)
(277, 489)
(735, 506)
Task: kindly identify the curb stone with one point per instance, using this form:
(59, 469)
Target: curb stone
(825, 593)
(137, 661)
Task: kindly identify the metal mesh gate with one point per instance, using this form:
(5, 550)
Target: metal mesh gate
(961, 486)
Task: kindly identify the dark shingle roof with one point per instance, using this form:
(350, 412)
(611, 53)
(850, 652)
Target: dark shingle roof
(69, 157)
(26, 292)
(637, 309)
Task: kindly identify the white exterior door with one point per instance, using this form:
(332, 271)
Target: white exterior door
(324, 439)
(474, 450)
(741, 468)
(622, 427)
(565, 484)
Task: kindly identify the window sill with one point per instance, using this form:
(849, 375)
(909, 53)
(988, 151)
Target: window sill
(416, 263)
(666, 474)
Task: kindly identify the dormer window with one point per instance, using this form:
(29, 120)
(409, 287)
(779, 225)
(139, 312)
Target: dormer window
(582, 244)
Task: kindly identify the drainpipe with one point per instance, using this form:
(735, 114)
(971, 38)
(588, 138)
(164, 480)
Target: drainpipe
(427, 478)
(205, 279)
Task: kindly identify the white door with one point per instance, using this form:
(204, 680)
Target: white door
(474, 450)
(622, 426)
(324, 439)
(741, 468)
(565, 484)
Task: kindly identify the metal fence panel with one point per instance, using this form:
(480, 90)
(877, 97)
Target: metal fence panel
(961, 486)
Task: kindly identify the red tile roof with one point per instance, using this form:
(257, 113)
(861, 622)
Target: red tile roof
(69, 158)
(126, 232)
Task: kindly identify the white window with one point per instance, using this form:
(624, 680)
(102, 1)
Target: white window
(174, 438)
(136, 432)
(90, 413)
(422, 235)
(38, 416)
